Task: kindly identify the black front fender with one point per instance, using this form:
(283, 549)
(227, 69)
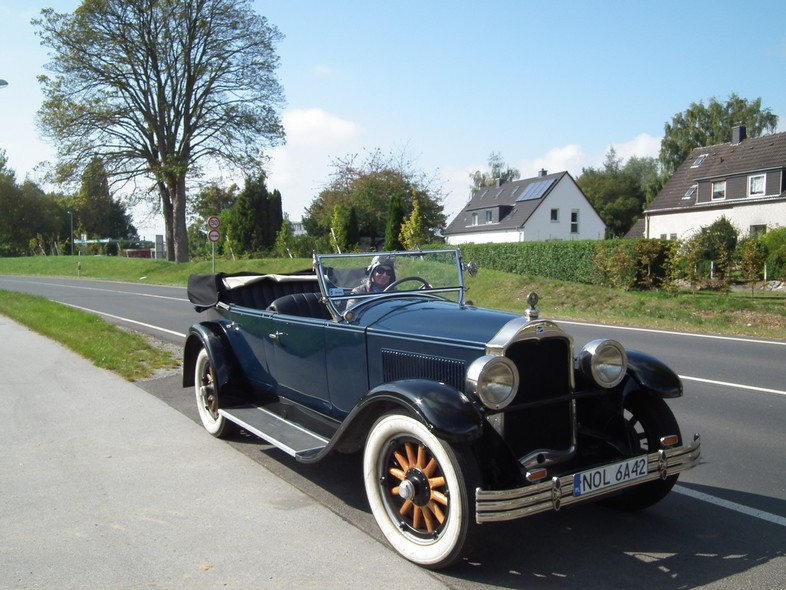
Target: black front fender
(448, 413)
(653, 375)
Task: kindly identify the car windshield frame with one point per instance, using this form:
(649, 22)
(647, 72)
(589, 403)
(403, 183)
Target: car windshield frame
(342, 277)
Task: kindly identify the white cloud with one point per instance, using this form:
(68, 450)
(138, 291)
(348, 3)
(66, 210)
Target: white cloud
(300, 168)
(570, 157)
(641, 146)
(316, 127)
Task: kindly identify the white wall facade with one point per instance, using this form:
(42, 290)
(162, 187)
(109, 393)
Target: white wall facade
(566, 198)
(684, 224)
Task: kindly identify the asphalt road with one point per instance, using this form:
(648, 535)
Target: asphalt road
(724, 527)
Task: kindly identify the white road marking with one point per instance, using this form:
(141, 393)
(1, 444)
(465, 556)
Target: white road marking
(742, 509)
(671, 333)
(736, 385)
(109, 315)
(87, 288)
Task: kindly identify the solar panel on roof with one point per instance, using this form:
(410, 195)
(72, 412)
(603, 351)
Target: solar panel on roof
(535, 190)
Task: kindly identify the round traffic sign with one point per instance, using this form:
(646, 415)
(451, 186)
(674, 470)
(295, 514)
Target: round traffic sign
(214, 235)
(213, 222)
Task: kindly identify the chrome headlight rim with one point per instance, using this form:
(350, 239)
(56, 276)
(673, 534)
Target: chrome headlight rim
(494, 380)
(604, 361)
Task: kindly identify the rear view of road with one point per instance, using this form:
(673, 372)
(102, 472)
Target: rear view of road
(105, 486)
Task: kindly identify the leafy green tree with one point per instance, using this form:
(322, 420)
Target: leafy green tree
(710, 253)
(369, 186)
(702, 125)
(338, 229)
(498, 171)
(155, 87)
(96, 211)
(212, 199)
(352, 229)
(774, 242)
(752, 255)
(256, 217)
(615, 192)
(393, 225)
(412, 235)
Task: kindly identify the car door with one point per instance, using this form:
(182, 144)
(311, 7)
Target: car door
(299, 359)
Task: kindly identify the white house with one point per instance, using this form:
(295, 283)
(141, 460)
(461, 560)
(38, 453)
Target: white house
(742, 181)
(547, 207)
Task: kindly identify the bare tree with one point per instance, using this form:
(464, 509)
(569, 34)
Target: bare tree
(158, 88)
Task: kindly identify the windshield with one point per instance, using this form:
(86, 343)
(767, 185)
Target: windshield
(349, 279)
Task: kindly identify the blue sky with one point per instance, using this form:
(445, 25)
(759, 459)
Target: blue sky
(548, 85)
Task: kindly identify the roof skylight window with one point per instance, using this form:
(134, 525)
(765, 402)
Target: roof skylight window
(699, 160)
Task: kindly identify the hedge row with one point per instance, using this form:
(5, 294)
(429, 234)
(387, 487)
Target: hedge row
(625, 264)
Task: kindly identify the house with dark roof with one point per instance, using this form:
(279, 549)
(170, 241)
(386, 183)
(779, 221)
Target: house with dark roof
(547, 207)
(744, 181)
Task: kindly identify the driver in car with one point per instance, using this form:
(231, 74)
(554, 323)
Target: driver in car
(380, 276)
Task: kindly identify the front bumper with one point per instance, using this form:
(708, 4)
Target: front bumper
(501, 505)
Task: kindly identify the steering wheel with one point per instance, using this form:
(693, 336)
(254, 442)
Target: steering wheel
(425, 284)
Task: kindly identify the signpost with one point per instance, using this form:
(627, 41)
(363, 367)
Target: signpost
(213, 223)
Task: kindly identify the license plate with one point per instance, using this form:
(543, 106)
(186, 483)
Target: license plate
(594, 480)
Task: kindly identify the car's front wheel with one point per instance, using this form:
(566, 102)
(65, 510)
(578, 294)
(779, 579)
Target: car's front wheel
(206, 391)
(421, 490)
(647, 419)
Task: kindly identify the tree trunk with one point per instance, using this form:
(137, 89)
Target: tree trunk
(166, 209)
(179, 221)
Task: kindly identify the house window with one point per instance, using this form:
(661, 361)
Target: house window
(757, 230)
(489, 217)
(555, 215)
(672, 236)
(690, 192)
(756, 186)
(574, 221)
(719, 190)
(663, 236)
(474, 219)
(699, 160)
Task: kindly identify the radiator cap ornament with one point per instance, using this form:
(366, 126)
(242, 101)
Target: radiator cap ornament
(532, 301)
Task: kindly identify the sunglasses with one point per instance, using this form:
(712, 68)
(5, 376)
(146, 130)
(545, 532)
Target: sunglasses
(383, 271)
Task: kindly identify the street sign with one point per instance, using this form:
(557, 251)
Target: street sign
(213, 222)
(214, 235)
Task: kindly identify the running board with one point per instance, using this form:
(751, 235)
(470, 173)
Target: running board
(291, 438)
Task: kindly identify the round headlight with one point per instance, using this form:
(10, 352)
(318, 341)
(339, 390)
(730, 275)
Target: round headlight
(494, 379)
(604, 361)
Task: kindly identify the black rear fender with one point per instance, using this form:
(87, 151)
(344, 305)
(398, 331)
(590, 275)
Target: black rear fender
(212, 337)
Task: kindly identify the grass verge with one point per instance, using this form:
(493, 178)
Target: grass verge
(128, 354)
(757, 315)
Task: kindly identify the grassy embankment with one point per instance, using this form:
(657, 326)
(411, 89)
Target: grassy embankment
(761, 315)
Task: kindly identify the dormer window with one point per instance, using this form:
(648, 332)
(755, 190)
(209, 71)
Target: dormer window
(489, 217)
(756, 185)
(690, 192)
(719, 190)
(699, 160)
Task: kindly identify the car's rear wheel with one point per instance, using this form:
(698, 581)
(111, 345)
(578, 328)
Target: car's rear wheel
(421, 490)
(206, 391)
(647, 419)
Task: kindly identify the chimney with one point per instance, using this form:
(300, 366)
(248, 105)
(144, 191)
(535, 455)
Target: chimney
(543, 172)
(738, 134)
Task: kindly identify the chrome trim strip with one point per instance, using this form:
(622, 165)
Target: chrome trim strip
(502, 505)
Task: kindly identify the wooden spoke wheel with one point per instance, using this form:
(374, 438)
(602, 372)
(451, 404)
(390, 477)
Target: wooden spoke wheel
(421, 490)
(206, 392)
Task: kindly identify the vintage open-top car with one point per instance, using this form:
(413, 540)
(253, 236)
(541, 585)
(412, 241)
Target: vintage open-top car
(464, 415)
